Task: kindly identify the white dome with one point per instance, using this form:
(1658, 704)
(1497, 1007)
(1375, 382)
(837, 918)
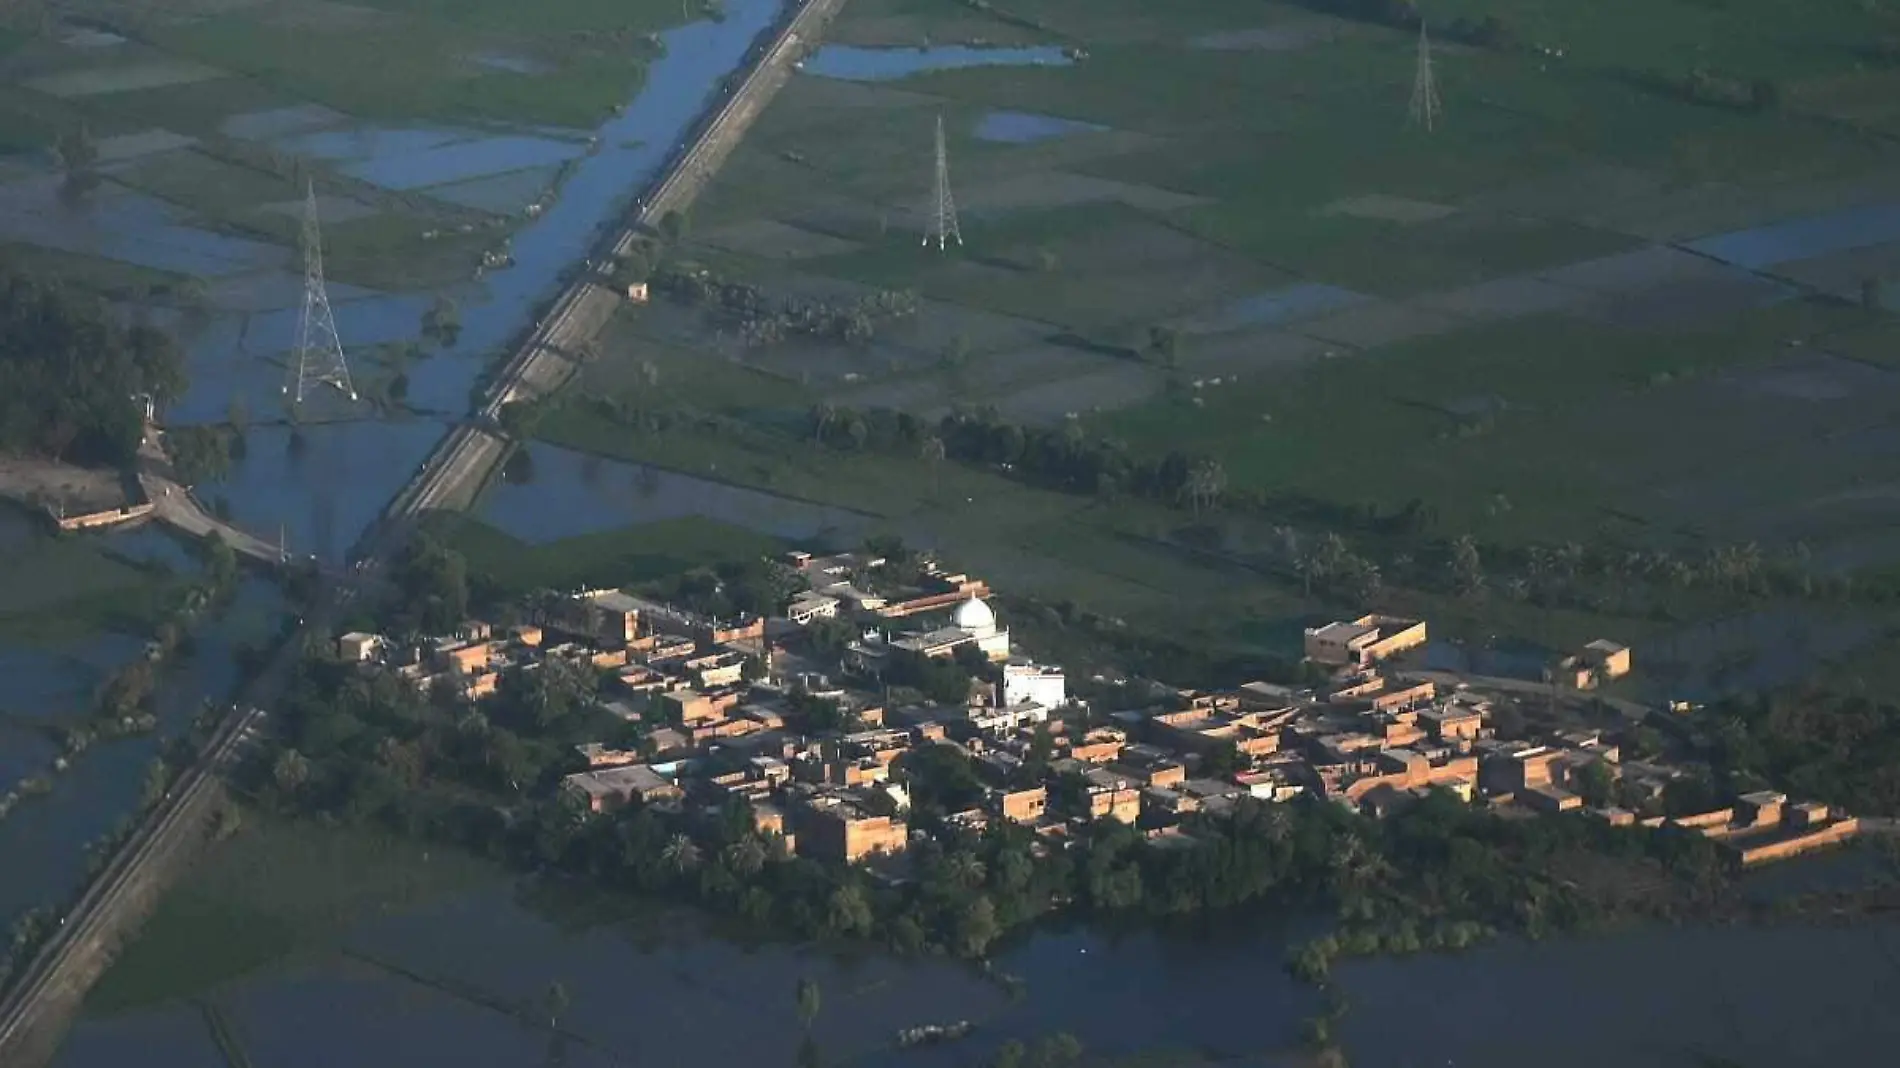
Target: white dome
(974, 615)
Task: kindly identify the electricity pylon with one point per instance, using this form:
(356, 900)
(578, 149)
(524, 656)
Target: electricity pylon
(943, 224)
(318, 359)
(1425, 104)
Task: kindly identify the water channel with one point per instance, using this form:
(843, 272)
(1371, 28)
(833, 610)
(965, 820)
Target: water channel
(322, 486)
(323, 496)
(662, 988)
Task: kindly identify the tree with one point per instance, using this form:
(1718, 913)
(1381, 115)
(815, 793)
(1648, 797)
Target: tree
(932, 451)
(78, 155)
(976, 926)
(1466, 567)
(681, 854)
(746, 856)
(1164, 345)
(1206, 481)
(290, 771)
(808, 1001)
(554, 1003)
(821, 416)
(1595, 784)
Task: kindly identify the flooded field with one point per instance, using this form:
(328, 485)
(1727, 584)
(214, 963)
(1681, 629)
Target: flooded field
(43, 843)
(324, 495)
(649, 984)
(858, 64)
(559, 493)
(1027, 127)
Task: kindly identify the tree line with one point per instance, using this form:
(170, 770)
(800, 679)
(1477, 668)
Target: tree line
(368, 748)
(75, 377)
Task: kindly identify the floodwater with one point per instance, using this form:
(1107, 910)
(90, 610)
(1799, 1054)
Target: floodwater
(1749, 653)
(857, 64)
(121, 225)
(661, 989)
(431, 986)
(1276, 307)
(344, 476)
(42, 844)
(568, 493)
(1028, 127)
(1673, 998)
(47, 683)
(1805, 238)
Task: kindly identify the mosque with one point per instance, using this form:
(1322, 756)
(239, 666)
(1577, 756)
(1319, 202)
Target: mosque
(973, 623)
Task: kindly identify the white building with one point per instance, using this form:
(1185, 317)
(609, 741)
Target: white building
(808, 606)
(1039, 683)
(971, 624)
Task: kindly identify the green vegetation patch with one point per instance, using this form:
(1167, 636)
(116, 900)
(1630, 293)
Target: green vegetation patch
(429, 63)
(1562, 418)
(635, 554)
(278, 888)
(94, 274)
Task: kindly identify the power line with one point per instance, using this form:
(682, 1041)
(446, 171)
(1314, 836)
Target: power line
(1426, 108)
(943, 224)
(319, 356)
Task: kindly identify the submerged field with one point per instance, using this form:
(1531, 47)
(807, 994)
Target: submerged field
(425, 127)
(1587, 306)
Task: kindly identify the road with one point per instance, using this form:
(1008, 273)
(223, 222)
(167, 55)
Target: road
(174, 506)
(39, 1004)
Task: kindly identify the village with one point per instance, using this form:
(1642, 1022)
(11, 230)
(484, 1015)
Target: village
(819, 719)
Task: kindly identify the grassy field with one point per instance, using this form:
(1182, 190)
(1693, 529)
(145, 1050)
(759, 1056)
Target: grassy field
(275, 890)
(609, 558)
(57, 588)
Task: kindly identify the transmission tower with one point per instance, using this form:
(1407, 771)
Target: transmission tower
(318, 359)
(1425, 104)
(943, 224)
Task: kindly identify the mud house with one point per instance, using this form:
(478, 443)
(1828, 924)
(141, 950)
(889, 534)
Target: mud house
(1364, 641)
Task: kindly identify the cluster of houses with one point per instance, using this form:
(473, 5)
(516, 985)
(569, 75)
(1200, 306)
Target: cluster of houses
(814, 743)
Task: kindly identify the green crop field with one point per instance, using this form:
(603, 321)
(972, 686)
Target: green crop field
(1506, 326)
(623, 557)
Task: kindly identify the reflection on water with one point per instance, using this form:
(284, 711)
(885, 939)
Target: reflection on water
(1748, 653)
(1025, 127)
(571, 493)
(346, 474)
(42, 845)
(661, 990)
(320, 486)
(1672, 998)
(47, 683)
(1800, 239)
(853, 63)
(117, 224)
(1276, 307)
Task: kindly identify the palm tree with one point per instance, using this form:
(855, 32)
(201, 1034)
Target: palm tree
(681, 853)
(290, 771)
(746, 856)
(964, 869)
